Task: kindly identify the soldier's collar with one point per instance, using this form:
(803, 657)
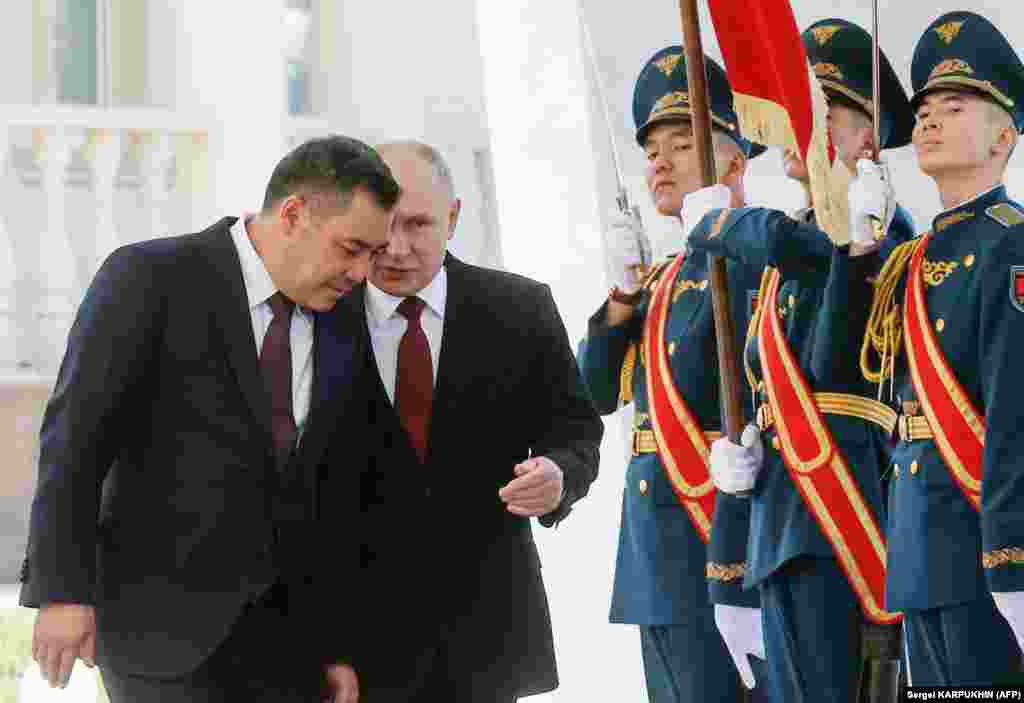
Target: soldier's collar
(969, 208)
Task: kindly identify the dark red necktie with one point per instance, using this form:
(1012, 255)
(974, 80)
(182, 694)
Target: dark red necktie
(414, 382)
(276, 364)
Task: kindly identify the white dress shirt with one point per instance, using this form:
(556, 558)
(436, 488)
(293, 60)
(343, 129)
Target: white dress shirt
(387, 326)
(258, 288)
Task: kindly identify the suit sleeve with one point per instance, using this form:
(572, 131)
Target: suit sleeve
(570, 431)
(107, 357)
(759, 237)
(1001, 338)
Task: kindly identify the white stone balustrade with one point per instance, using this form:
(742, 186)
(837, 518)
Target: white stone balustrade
(82, 181)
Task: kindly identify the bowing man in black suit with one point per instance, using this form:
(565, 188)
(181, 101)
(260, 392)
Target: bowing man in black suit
(482, 422)
(202, 378)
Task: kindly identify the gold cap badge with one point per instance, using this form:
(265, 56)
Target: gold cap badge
(949, 30)
(824, 34)
(668, 63)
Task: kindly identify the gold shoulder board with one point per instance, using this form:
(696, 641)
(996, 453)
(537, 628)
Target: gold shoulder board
(1005, 214)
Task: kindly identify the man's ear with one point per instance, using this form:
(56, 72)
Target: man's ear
(1005, 141)
(453, 216)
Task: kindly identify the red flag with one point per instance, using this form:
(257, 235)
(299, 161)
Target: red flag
(767, 68)
(778, 101)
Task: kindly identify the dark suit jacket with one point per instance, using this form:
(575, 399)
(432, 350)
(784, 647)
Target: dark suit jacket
(158, 498)
(443, 557)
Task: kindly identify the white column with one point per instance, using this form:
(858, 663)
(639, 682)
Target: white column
(156, 153)
(10, 329)
(546, 185)
(58, 285)
(240, 89)
(105, 159)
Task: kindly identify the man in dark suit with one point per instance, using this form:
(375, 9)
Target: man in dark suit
(202, 379)
(481, 422)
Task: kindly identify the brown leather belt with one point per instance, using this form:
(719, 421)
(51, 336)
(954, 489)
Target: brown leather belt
(645, 443)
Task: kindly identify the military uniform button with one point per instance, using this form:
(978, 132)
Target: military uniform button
(643, 487)
(969, 260)
(776, 444)
(671, 348)
(913, 467)
(792, 301)
(896, 470)
(940, 324)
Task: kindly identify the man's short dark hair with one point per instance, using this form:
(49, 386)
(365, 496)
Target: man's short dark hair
(333, 167)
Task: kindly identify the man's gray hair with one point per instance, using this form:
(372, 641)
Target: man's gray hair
(429, 154)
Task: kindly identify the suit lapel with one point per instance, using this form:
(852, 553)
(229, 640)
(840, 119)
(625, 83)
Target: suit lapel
(338, 349)
(456, 354)
(235, 323)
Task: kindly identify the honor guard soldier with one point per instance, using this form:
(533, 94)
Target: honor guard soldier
(817, 516)
(654, 347)
(947, 329)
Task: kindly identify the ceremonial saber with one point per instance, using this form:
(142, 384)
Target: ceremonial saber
(876, 84)
(700, 118)
(622, 195)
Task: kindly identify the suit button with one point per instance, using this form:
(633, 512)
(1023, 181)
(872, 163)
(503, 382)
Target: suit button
(643, 487)
(913, 467)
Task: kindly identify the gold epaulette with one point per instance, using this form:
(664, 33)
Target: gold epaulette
(626, 375)
(883, 335)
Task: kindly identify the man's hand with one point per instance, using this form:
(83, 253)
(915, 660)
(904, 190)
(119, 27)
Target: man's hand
(344, 684)
(734, 468)
(536, 491)
(699, 203)
(628, 248)
(870, 197)
(63, 633)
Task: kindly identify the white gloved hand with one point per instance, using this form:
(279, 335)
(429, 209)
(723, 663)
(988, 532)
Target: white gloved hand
(870, 196)
(700, 202)
(734, 468)
(741, 630)
(628, 247)
(1011, 606)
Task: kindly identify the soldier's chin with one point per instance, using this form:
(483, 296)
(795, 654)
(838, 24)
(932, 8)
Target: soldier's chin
(668, 203)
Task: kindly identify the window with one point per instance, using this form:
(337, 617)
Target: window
(75, 42)
(92, 52)
(298, 22)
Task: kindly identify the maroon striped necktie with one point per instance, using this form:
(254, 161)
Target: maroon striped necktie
(276, 365)
(414, 383)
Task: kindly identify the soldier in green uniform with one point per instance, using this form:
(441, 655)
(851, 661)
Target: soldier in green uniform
(817, 519)
(682, 546)
(946, 330)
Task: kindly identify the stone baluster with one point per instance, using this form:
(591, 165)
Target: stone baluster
(57, 282)
(155, 157)
(107, 149)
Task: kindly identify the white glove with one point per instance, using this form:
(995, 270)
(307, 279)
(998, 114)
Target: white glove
(628, 247)
(1011, 606)
(870, 196)
(700, 202)
(741, 629)
(734, 468)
